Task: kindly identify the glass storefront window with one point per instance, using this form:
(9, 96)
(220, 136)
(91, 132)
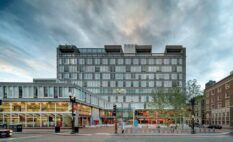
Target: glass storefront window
(33, 106)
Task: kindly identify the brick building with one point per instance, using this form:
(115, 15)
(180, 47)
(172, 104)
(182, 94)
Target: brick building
(219, 102)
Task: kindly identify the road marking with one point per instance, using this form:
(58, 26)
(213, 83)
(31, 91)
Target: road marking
(23, 137)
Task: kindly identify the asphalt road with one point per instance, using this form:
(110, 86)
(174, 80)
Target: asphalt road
(106, 138)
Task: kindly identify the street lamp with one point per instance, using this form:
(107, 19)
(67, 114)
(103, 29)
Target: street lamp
(72, 101)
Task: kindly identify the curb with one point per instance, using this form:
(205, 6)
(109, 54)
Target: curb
(108, 134)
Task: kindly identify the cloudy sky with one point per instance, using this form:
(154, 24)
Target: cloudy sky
(30, 31)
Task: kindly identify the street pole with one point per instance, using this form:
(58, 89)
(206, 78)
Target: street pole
(72, 100)
(193, 115)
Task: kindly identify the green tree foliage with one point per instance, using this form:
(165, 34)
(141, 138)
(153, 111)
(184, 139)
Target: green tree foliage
(192, 89)
(171, 100)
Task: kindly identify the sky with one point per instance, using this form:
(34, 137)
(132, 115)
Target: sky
(31, 30)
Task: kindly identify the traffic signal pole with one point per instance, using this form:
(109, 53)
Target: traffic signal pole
(114, 114)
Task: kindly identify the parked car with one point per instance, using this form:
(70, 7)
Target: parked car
(215, 127)
(6, 132)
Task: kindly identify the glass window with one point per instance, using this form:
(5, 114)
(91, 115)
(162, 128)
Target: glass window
(81, 61)
(119, 76)
(179, 68)
(143, 84)
(135, 61)
(97, 76)
(127, 76)
(104, 83)
(97, 61)
(166, 76)
(112, 83)
(166, 69)
(128, 61)
(151, 61)
(174, 61)
(136, 69)
(104, 69)
(143, 61)
(61, 69)
(112, 61)
(167, 84)
(106, 76)
(89, 61)
(174, 76)
(151, 83)
(159, 83)
(120, 83)
(88, 76)
(120, 61)
(180, 61)
(128, 84)
(120, 69)
(159, 61)
(135, 84)
(105, 61)
(74, 76)
(166, 61)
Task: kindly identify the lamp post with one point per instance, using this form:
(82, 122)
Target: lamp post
(72, 101)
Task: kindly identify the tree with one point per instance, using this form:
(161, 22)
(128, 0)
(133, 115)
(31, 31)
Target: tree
(192, 91)
(167, 101)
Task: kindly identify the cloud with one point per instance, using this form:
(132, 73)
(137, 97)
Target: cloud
(30, 31)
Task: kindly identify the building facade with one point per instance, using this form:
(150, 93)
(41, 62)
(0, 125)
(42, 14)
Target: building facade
(122, 75)
(46, 103)
(219, 102)
(98, 78)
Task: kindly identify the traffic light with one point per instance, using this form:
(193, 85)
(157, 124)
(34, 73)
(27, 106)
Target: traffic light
(114, 110)
(0, 102)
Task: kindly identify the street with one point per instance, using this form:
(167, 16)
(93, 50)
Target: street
(97, 137)
(106, 134)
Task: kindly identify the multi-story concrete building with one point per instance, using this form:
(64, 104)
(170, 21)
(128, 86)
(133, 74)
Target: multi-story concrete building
(219, 102)
(99, 78)
(122, 75)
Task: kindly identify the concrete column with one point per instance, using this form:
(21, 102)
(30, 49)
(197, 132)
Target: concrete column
(55, 117)
(33, 120)
(3, 117)
(18, 118)
(26, 110)
(25, 120)
(40, 116)
(40, 120)
(10, 113)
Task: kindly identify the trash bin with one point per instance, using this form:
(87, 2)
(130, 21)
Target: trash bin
(76, 129)
(19, 128)
(57, 129)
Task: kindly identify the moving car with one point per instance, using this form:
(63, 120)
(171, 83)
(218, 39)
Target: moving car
(6, 132)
